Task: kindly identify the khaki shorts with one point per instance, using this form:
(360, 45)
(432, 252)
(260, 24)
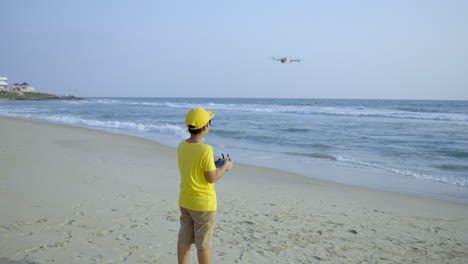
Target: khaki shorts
(196, 227)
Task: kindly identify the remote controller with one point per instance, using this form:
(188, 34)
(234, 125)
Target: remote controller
(220, 162)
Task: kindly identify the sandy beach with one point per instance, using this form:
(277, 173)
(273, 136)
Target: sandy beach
(75, 195)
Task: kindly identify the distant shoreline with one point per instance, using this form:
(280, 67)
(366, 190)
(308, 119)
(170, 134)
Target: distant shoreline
(13, 96)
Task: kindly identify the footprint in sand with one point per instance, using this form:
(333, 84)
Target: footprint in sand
(246, 222)
(79, 213)
(104, 232)
(138, 225)
(68, 223)
(122, 237)
(172, 216)
(56, 244)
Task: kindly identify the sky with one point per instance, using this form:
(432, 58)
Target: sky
(388, 49)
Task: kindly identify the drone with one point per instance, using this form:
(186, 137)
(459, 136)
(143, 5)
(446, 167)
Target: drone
(286, 60)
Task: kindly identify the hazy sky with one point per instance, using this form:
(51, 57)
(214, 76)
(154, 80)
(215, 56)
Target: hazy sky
(388, 49)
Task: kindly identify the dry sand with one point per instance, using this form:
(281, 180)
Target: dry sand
(74, 195)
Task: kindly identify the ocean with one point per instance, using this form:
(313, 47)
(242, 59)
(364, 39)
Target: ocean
(408, 146)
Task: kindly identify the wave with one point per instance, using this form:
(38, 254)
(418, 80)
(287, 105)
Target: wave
(312, 155)
(294, 130)
(415, 109)
(104, 101)
(354, 111)
(317, 146)
(452, 167)
(463, 182)
(457, 154)
(226, 132)
(168, 129)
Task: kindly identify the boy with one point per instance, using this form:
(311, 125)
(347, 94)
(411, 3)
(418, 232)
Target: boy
(197, 199)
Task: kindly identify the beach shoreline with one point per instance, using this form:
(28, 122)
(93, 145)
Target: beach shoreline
(353, 142)
(76, 195)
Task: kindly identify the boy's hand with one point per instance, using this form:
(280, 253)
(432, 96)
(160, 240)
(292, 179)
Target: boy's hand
(214, 176)
(229, 164)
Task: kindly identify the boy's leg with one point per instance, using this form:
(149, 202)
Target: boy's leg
(183, 253)
(203, 229)
(186, 237)
(196, 227)
(204, 256)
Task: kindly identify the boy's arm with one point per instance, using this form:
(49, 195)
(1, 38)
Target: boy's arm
(214, 176)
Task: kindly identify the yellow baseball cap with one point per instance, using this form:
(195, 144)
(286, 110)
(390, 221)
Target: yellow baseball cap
(198, 117)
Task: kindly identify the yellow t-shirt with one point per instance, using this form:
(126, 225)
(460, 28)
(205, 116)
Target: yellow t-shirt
(196, 193)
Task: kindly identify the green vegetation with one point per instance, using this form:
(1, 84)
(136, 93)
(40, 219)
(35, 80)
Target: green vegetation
(35, 96)
(14, 95)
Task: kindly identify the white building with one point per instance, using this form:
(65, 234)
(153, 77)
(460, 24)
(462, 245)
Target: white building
(3, 83)
(19, 87)
(23, 87)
